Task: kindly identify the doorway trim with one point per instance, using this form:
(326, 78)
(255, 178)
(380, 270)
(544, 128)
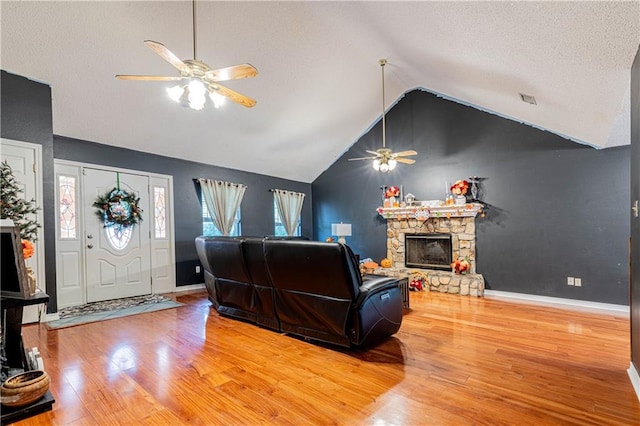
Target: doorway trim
(34, 313)
(71, 280)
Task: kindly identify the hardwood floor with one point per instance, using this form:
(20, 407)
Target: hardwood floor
(455, 361)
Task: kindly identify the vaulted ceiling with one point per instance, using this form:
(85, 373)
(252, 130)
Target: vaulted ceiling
(319, 84)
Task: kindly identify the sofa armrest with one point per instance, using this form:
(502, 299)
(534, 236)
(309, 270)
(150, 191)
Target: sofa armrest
(375, 284)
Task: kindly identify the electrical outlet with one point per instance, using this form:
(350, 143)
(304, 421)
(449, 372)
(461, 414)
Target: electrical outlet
(198, 269)
(578, 282)
(570, 281)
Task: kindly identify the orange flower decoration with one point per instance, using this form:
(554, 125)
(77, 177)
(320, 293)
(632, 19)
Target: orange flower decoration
(27, 249)
(460, 187)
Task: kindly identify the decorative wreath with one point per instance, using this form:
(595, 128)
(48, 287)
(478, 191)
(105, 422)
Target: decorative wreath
(118, 207)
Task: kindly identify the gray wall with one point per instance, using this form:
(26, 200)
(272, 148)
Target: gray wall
(635, 227)
(555, 208)
(25, 113)
(256, 209)
(27, 116)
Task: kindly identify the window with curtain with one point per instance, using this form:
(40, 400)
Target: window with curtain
(280, 230)
(288, 206)
(221, 206)
(209, 229)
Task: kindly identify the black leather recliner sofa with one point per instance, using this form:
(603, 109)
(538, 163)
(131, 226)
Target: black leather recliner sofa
(305, 288)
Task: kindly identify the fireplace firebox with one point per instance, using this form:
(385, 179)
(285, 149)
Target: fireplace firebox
(428, 251)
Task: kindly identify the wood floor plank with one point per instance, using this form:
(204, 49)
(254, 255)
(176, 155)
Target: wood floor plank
(455, 361)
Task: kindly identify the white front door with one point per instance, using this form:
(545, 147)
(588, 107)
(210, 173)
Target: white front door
(118, 260)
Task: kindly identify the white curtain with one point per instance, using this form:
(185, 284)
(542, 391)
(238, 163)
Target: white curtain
(289, 206)
(223, 201)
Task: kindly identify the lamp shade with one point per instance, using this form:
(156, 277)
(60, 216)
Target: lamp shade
(341, 229)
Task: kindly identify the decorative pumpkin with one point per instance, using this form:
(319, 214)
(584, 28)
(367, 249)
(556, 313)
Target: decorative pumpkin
(386, 262)
(370, 265)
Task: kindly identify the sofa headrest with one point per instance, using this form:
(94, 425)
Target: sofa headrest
(225, 258)
(327, 269)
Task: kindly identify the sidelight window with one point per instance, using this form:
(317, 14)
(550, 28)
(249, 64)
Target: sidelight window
(160, 212)
(67, 206)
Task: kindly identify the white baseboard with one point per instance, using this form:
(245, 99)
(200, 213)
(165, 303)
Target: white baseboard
(190, 287)
(605, 308)
(52, 317)
(635, 379)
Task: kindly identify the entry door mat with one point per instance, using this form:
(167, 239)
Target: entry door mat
(110, 309)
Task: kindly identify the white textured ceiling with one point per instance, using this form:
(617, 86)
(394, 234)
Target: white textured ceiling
(319, 83)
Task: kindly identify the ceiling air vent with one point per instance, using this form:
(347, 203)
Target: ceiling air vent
(528, 99)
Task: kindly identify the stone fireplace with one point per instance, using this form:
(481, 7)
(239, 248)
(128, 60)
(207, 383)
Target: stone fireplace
(457, 223)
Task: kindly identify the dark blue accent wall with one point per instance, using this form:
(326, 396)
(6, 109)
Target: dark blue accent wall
(25, 113)
(27, 116)
(555, 208)
(257, 203)
(635, 221)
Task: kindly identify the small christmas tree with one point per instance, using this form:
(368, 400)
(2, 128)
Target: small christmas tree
(13, 206)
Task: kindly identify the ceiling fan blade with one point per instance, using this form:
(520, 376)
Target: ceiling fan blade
(405, 153)
(377, 154)
(232, 73)
(405, 160)
(148, 77)
(362, 158)
(233, 95)
(167, 55)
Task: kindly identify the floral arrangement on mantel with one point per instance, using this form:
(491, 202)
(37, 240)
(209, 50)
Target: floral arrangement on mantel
(392, 197)
(392, 191)
(461, 266)
(460, 187)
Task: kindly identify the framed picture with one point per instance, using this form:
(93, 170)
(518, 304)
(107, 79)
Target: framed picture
(14, 274)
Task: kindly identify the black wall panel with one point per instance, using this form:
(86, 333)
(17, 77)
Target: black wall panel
(555, 208)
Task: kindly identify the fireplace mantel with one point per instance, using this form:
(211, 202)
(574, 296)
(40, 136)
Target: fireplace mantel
(425, 212)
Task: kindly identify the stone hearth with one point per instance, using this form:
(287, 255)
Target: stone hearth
(459, 221)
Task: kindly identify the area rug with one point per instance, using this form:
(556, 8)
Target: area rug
(110, 309)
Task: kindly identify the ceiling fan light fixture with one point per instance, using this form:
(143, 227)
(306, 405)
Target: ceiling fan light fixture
(175, 93)
(392, 164)
(198, 77)
(196, 94)
(376, 165)
(217, 99)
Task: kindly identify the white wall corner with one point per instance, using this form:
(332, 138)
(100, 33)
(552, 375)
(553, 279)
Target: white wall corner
(635, 379)
(183, 288)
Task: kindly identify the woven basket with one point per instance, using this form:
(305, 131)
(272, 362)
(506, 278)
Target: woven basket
(24, 388)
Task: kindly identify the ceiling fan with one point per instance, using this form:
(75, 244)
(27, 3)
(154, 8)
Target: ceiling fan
(199, 77)
(385, 160)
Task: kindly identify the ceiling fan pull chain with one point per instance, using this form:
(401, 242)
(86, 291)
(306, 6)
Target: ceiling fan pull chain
(195, 58)
(383, 62)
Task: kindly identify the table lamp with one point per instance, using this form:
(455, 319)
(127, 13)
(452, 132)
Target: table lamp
(341, 230)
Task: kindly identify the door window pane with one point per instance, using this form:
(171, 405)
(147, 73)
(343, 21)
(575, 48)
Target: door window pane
(67, 206)
(159, 212)
(119, 236)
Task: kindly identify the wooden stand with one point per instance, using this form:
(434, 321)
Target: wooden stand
(15, 353)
